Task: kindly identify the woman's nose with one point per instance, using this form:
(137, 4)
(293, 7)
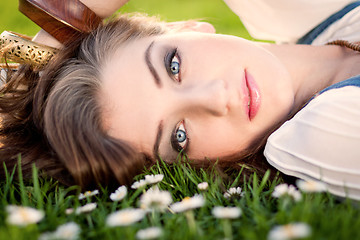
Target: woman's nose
(209, 97)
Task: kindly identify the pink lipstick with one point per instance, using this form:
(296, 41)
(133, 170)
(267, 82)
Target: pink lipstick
(254, 98)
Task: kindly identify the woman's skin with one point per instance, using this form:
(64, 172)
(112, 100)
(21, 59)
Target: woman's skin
(145, 103)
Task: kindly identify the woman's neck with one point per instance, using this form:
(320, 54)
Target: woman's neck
(312, 68)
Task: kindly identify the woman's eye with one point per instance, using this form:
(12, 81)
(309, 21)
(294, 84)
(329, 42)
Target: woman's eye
(179, 139)
(172, 63)
(175, 66)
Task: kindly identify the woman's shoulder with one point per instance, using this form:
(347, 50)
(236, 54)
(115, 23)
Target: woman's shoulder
(322, 140)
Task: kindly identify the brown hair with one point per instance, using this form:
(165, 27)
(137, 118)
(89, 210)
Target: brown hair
(53, 118)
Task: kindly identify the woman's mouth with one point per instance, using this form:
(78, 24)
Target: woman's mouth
(253, 99)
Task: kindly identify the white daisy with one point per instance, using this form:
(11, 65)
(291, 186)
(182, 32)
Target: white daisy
(290, 231)
(139, 184)
(295, 194)
(22, 216)
(149, 233)
(88, 194)
(125, 217)
(233, 192)
(226, 212)
(69, 211)
(280, 190)
(119, 194)
(86, 208)
(83, 209)
(152, 179)
(46, 236)
(68, 231)
(203, 186)
(284, 189)
(155, 199)
(311, 186)
(188, 203)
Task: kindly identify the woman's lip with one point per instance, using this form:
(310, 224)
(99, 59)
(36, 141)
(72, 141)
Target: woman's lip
(253, 96)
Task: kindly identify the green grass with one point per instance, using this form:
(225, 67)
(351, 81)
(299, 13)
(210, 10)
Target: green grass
(213, 11)
(328, 218)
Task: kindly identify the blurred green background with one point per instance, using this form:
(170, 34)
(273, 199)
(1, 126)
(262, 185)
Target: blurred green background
(213, 11)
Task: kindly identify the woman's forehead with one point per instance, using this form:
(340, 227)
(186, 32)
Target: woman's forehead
(128, 96)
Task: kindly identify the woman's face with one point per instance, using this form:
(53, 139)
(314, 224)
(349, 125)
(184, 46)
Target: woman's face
(209, 95)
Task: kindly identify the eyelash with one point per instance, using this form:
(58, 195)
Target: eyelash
(175, 143)
(173, 56)
(169, 59)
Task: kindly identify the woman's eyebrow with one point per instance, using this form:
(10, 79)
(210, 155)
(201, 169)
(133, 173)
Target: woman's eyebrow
(150, 66)
(157, 140)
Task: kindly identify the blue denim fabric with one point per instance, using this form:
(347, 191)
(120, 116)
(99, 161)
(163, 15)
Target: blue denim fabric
(353, 81)
(315, 32)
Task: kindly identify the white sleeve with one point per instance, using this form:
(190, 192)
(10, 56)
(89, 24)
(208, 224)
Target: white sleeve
(283, 20)
(322, 142)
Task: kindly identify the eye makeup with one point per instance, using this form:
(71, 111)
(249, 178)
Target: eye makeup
(172, 61)
(179, 138)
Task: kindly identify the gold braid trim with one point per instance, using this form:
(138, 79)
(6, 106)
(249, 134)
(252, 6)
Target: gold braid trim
(19, 48)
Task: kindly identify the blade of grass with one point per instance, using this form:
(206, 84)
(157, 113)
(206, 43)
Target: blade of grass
(37, 190)
(24, 199)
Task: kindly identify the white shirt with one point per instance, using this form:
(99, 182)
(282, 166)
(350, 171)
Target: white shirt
(322, 142)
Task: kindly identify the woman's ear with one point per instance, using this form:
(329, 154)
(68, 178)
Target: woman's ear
(191, 26)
